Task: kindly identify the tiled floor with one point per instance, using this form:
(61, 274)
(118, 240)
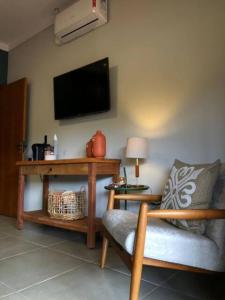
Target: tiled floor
(42, 262)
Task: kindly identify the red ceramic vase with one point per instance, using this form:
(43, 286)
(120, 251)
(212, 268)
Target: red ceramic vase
(99, 145)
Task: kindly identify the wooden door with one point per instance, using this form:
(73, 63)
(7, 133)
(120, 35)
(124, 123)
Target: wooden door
(13, 103)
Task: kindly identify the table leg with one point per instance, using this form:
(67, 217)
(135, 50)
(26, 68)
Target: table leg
(91, 207)
(125, 202)
(45, 193)
(20, 203)
(111, 202)
(117, 202)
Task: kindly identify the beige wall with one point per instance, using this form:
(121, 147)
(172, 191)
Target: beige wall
(167, 77)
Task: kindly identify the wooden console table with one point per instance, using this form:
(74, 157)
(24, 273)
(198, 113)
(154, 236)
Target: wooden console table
(90, 167)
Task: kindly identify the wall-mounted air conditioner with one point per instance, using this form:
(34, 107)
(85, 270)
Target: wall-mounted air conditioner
(79, 18)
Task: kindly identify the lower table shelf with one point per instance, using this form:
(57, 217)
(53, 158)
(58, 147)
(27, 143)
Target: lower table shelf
(80, 225)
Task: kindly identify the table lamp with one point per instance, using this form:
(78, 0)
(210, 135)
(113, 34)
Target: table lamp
(137, 147)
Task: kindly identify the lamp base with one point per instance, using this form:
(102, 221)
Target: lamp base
(137, 168)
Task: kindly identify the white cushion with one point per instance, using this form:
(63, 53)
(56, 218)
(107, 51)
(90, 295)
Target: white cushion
(215, 229)
(165, 241)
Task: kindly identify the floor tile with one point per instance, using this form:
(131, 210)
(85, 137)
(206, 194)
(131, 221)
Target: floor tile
(4, 290)
(161, 293)
(88, 282)
(113, 261)
(10, 246)
(193, 284)
(153, 275)
(3, 235)
(156, 275)
(7, 220)
(16, 296)
(38, 235)
(218, 284)
(68, 235)
(24, 270)
(78, 249)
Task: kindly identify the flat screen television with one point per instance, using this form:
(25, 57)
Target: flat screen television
(83, 91)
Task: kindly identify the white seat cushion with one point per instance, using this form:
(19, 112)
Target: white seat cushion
(165, 241)
(215, 229)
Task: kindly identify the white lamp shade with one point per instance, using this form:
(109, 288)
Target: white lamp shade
(137, 147)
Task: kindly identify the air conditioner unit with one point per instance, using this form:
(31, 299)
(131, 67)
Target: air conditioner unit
(79, 18)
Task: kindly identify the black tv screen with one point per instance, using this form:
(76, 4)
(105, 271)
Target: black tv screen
(83, 91)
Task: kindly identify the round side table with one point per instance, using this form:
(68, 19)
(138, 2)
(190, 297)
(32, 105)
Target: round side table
(125, 189)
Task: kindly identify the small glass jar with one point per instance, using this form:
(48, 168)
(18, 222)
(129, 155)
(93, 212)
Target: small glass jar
(119, 180)
(49, 153)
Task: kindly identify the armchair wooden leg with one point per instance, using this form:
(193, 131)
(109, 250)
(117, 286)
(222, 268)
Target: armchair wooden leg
(138, 253)
(135, 282)
(105, 244)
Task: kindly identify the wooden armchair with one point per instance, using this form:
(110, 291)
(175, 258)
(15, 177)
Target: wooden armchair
(139, 242)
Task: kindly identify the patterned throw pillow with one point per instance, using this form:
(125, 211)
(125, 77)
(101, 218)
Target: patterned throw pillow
(190, 187)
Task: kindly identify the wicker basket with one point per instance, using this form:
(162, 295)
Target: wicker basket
(67, 205)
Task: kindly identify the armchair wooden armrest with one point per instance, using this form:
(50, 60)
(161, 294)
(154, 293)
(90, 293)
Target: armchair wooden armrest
(187, 214)
(138, 197)
(131, 197)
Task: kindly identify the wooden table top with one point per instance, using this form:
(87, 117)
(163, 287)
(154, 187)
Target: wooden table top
(82, 160)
